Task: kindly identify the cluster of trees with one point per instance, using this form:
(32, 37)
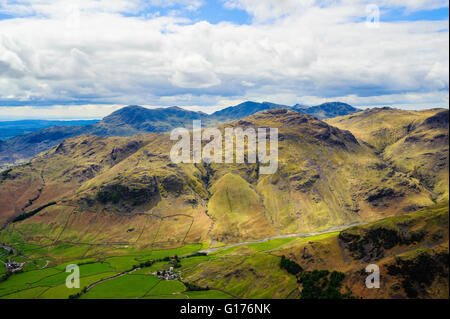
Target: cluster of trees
(197, 254)
(321, 284)
(194, 287)
(317, 284)
(32, 213)
(144, 264)
(291, 266)
(78, 295)
(176, 262)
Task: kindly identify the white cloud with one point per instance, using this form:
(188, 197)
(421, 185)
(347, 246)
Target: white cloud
(263, 10)
(60, 8)
(58, 112)
(57, 8)
(193, 71)
(316, 52)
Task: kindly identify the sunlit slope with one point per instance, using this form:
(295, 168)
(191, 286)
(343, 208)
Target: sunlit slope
(410, 250)
(57, 173)
(413, 142)
(325, 177)
(127, 191)
(381, 127)
(237, 210)
(143, 200)
(424, 153)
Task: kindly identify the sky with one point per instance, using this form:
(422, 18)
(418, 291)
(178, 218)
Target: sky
(76, 59)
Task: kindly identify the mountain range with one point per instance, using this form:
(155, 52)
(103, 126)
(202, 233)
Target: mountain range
(10, 129)
(132, 120)
(368, 187)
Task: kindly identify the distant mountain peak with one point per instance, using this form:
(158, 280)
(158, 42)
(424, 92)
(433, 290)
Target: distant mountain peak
(328, 109)
(134, 119)
(132, 107)
(177, 108)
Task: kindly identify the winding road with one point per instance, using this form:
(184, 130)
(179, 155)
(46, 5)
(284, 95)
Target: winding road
(301, 235)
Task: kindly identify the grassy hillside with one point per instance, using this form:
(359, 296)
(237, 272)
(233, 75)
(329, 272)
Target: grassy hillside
(424, 154)
(411, 251)
(132, 120)
(237, 210)
(381, 127)
(326, 178)
(122, 205)
(412, 142)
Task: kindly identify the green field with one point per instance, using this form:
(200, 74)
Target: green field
(49, 283)
(247, 271)
(125, 287)
(207, 294)
(62, 292)
(166, 287)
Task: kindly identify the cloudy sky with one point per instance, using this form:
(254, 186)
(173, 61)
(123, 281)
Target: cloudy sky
(86, 58)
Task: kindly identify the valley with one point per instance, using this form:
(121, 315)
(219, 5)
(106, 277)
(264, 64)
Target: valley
(343, 197)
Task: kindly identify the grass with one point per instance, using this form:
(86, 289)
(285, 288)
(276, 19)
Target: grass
(234, 205)
(32, 213)
(153, 268)
(62, 292)
(76, 262)
(255, 276)
(122, 263)
(207, 294)
(24, 280)
(54, 278)
(174, 296)
(26, 294)
(48, 277)
(185, 250)
(271, 244)
(85, 271)
(187, 263)
(434, 216)
(126, 287)
(167, 287)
